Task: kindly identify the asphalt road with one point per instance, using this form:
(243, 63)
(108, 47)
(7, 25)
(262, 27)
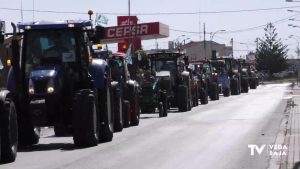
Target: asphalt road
(213, 136)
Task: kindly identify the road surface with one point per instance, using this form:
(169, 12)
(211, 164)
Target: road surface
(213, 136)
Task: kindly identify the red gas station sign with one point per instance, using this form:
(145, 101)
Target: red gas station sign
(125, 34)
(143, 31)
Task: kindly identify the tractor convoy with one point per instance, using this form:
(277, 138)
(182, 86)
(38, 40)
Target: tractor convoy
(60, 77)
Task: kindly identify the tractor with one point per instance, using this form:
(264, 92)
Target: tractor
(53, 81)
(250, 71)
(169, 70)
(221, 68)
(245, 75)
(153, 95)
(126, 90)
(234, 73)
(209, 83)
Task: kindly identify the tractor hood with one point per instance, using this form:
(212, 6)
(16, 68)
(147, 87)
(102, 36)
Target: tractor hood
(163, 74)
(44, 80)
(44, 72)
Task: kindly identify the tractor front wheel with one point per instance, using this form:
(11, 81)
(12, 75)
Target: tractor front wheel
(85, 119)
(9, 135)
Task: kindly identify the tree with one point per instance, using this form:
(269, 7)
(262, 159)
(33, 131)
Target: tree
(271, 54)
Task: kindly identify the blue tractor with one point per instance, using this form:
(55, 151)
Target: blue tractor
(221, 67)
(53, 81)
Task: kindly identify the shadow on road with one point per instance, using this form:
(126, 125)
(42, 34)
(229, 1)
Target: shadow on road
(50, 146)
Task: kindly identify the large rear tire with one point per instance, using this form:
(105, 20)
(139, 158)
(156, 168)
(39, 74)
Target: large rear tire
(245, 86)
(135, 118)
(165, 106)
(118, 110)
(253, 84)
(214, 91)
(182, 99)
(234, 87)
(226, 92)
(203, 96)
(127, 113)
(9, 133)
(85, 119)
(106, 103)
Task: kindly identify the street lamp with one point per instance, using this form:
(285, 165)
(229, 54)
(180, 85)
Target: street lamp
(211, 39)
(290, 10)
(294, 26)
(291, 1)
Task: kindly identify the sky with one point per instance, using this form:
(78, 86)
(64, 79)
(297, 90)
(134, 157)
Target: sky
(243, 40)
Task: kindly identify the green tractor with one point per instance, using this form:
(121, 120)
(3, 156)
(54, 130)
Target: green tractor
(153, 95)
(172, 79)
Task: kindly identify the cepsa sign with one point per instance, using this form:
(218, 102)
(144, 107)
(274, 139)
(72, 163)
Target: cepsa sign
(144, 31)
(124, 31)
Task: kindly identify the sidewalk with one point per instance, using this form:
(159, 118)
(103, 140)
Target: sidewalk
(292, 131)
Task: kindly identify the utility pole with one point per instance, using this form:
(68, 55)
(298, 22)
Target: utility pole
(231, 41)
(204, 32)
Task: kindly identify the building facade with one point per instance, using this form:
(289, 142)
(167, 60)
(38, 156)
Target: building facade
(205, 49)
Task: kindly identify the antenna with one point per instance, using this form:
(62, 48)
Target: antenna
(33, 10)
(22, 10)
(200, 20)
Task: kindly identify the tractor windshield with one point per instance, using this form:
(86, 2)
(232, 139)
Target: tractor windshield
(44, 47)
(206, 68)
(164, 65)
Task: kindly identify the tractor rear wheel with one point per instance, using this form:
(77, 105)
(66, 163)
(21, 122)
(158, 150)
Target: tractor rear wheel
(127, 113)
(245, 86)
(85, 119)
(226, 92)
(214, 91)
(9, 135)
(165, 106)
(106, 103)
(182, 99)
(118, 110)
(160, 109)
(203, 96)
(253, 84)
(135, 118)
(234, 87)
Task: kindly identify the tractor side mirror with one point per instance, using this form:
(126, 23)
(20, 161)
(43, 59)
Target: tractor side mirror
(99, 33)
(1, 39)
(186, 60)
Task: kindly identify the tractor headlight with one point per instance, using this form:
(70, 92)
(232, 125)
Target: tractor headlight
(50, 88)
(30, 87)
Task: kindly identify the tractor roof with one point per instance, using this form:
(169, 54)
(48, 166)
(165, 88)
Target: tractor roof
(199, 62)
(55, 24)
(119, 54)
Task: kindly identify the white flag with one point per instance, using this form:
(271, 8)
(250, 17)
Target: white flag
(128, 54)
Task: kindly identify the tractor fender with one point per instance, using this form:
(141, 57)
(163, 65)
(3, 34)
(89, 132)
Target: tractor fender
(97, 70)
(132, 83)
(4, 95)
(114, 84)
(185, 73)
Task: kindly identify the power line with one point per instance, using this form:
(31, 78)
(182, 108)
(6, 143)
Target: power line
(239, 30)
(155, 13)
(218, 12)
